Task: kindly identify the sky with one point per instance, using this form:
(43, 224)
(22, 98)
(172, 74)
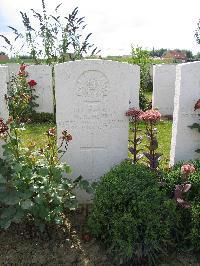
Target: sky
(118, 24)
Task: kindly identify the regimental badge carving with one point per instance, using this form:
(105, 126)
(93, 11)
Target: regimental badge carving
(92, 85)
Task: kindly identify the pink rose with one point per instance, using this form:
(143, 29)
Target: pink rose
(187, 169)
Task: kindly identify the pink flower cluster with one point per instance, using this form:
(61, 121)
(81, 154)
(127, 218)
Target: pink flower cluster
(151, 116)
(187, 169)
(135, 113)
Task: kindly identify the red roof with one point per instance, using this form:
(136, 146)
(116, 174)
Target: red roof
(175, 55)
(3, 57)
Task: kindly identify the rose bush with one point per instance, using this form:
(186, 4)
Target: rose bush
(34, 184)
(21, 96)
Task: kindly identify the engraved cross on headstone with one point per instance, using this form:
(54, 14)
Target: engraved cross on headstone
(91, 151)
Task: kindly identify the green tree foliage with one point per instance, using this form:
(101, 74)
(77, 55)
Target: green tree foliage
(142, 58)
(158, 52)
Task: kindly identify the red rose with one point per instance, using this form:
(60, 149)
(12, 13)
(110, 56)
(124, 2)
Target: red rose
(32, 83)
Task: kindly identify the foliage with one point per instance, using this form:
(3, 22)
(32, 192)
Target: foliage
(34, 184)
(22, 98)
(144, 102)
(187, 228)
(131, 214)
(54, 38)
(142, 58)
(42, 118)
(197, 32)
(158, 52)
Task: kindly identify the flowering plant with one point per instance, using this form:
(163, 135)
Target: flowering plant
(34, 184)
(180, 190)
(151, 117)
(21, 96)
(134, 116)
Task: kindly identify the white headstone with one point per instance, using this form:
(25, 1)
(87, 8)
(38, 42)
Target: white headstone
(134, 90)
(92, 97)
(3, 91)
(42, 74)
(187, 91)
(164, 77)
(13, 69)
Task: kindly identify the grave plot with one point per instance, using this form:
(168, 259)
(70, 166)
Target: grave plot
(92, 97)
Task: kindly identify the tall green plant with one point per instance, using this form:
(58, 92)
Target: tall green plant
(53, 38)
(142, 58)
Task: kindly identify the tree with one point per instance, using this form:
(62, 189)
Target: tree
(54, 38)
(2, 53)
(158, 52)
(142, 58)
(197, 32)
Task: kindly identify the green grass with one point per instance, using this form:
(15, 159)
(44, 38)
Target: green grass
(35, 133)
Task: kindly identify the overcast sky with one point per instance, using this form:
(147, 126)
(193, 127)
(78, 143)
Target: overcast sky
(116, 24)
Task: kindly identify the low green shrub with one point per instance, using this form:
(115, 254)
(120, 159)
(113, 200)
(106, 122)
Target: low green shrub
(42, 118)
(131, 214)
(187, 228)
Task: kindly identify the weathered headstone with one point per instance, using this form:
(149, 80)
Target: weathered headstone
(134, 90)
(13, 69)
(92, 97)
(164, 77)
(42, 74)
(185, 140)
(3, 92)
